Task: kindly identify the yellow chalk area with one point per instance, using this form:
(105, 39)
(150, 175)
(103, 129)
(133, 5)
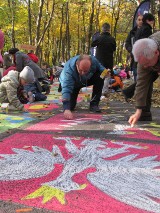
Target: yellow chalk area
(47, 193)
(37, 107)
(154, 132)
(17, 118)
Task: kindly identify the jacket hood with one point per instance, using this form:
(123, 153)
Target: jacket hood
(11, 76)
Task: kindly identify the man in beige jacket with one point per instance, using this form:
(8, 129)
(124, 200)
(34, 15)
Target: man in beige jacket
(147, 53)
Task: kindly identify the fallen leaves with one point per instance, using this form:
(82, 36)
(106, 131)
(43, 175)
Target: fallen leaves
(24, 210)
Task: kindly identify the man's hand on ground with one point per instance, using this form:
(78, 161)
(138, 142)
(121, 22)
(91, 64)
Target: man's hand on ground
(134, 118)
(68, 114)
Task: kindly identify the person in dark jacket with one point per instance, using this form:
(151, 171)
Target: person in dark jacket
(146, 29)
(143, 32)
(105, 46)
(21, 60)
(129, 44)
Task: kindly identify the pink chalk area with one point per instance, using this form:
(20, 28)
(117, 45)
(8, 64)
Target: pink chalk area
(142, 134)
(88, 200)
(58, 122)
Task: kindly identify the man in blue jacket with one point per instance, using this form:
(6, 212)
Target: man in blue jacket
(81, 71)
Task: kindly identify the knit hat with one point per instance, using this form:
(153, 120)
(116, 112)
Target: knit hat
(27, 74)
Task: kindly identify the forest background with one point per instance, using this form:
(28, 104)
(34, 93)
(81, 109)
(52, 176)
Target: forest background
(59, 29)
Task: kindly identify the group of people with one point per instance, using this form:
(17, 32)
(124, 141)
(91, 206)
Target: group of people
(85, 70)
(23, 79)
(143, 29)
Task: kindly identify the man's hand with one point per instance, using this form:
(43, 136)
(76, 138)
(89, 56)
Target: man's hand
(134, 118)
(68, 114)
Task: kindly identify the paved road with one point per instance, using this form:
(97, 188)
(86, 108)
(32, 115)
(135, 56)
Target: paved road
(94, 163)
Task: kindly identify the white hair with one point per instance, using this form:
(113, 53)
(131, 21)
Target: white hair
(145, 47)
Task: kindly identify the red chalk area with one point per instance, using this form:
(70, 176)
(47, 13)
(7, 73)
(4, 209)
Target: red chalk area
(87, 200)
(59, 123)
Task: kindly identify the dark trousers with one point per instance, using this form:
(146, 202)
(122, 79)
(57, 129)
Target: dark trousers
(97, 83)
(129, 92)
(150, 90)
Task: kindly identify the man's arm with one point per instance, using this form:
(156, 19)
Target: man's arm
(19, 62)
(67, 83)
(114, 44)
(94, 43)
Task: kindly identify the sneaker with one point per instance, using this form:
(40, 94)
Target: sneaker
(145, 116)
(31, 97)
(119, 90)
(94, 109)
(47, 91)
(103, 97)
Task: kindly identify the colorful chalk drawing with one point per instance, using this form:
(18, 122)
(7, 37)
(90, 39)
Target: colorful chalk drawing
(156, 130)
(13, 121)
(59, 123)
(73, 171)
(41, 107)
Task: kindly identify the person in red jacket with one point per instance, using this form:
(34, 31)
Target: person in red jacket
(33, 56)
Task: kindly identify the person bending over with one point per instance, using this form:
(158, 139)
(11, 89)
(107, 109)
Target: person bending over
(146, 53)
(81, 71)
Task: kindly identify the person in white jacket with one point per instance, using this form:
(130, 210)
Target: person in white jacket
(10, 84)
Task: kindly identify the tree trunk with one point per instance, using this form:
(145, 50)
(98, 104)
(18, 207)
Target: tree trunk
(97, 16)
(12, 6)
(61, 34)
(39, 37)
(67, 32)
(29, 22)
(90, 33)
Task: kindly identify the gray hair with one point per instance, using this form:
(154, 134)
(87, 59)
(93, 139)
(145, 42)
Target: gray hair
(145, 47)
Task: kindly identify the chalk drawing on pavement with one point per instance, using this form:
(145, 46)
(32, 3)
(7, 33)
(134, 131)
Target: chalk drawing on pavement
(119, 172)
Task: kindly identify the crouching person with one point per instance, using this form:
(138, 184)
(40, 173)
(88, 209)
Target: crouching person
(116, 83)
(34, 92)
(9, 86)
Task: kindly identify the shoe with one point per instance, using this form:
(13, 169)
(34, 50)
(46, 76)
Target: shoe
(102, 97)
(47, 91)
(118, 90)
(145, 116)
(31, 97)
(94, 109)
